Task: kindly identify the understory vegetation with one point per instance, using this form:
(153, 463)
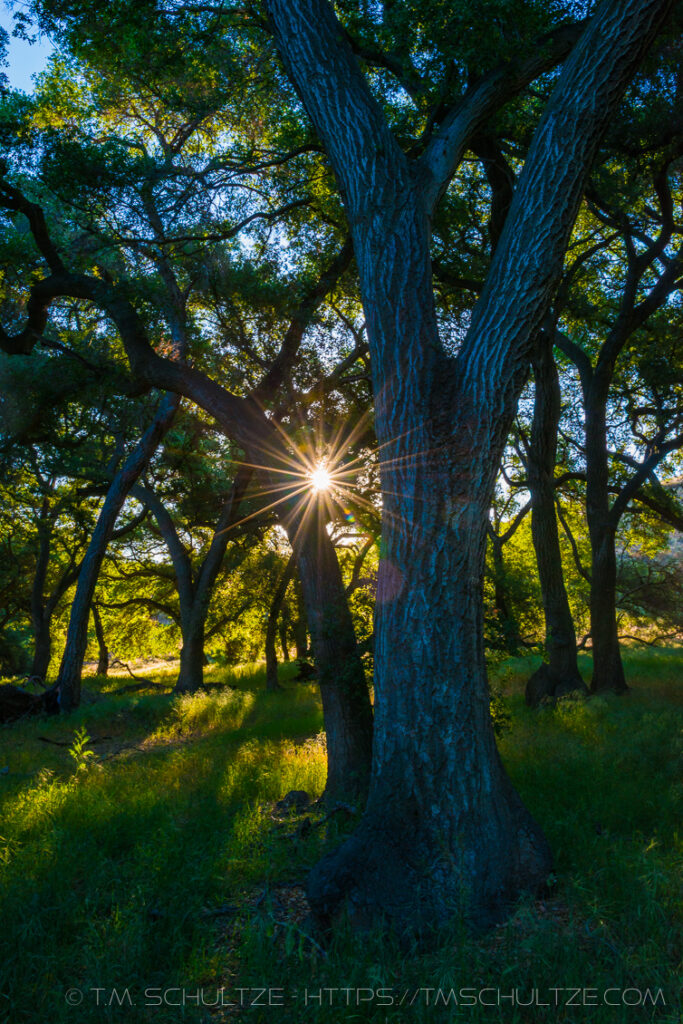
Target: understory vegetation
(142, 856)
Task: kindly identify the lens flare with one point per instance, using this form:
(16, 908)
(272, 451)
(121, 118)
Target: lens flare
(320, 479)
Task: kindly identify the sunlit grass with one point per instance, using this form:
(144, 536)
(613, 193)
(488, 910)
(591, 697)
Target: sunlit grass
(161, 865)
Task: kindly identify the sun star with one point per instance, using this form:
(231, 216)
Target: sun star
(320, 479)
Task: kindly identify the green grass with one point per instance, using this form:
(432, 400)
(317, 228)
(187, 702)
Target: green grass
(161, 867)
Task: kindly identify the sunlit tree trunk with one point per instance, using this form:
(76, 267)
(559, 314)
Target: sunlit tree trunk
(191, 674)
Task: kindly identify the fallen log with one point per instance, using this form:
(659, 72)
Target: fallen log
(16, 703)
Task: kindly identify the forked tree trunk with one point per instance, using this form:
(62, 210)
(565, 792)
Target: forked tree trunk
(608, 669)
(561, 673)
(195, 588)
(193, 598)
(444, 829)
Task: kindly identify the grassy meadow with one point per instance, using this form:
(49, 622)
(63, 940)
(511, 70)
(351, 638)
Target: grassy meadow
(145, 873)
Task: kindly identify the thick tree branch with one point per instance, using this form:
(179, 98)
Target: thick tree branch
(645, 469)
(549, 192)
(446, 150)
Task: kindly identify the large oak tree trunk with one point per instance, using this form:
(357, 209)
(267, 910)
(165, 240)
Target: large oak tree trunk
(561, 673)
(439, 794)
(443, 828)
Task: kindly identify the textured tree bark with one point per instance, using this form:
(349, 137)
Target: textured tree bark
(608, 669)
(69, 680)
(103, 651)
(561, 673)
(443, 829)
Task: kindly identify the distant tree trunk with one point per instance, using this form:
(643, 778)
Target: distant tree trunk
(42, 651)
(103, 651)
(195, 588)
(608, 670)
(284, 638)
(69, 680)
(39, 619)
(344, 691)
(191, 675)
(504, 604)
(561, 674)
(42, 608)
(272, 684)
(300, 640)
(300, 626)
